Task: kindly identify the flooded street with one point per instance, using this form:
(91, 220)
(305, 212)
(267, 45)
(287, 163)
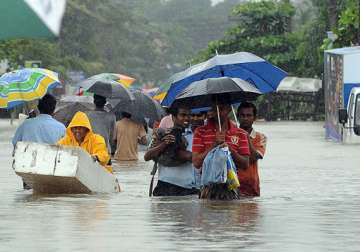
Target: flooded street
(310, 202)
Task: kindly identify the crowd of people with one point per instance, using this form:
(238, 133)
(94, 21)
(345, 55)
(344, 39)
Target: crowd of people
(180, 142)
(201, 132)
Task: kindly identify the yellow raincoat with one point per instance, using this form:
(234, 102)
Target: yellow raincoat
(93, 143)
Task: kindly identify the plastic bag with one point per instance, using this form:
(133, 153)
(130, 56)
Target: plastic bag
(219, 168)
(232, 180)
(214, 169)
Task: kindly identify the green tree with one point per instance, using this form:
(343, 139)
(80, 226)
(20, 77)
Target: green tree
(348, 24)
(263, 28)
(149, 40)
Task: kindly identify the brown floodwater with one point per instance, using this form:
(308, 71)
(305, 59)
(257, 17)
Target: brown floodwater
(309, 202)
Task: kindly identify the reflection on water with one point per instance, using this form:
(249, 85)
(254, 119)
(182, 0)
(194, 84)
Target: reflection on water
(309, 202)
(210, 223)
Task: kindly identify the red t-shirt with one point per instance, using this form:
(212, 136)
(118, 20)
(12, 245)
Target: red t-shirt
(236, 138)
(249, 178)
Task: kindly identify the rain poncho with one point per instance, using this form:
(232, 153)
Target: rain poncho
(94, 144)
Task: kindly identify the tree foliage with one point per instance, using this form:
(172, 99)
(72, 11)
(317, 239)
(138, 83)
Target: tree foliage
(149, 40)
(348, 24)
(262, 28)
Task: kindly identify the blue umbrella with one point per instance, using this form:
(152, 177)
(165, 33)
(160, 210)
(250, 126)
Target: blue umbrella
(247, 66)
(200, 110)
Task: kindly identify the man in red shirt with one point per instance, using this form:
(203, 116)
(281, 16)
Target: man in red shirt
(249, 178)
(209, 136)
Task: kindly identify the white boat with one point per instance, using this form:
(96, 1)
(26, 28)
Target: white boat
(61, 169)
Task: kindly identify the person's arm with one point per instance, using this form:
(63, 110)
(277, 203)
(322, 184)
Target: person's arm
(254, 155)
(142, 136)
(99, 150)
(114, 140)
(198, 158)
(199, 151)
(257, 147)
(158, 146)
(18, 134)
(112, 135)
(242, 153)
(142, 140)
(241, 161)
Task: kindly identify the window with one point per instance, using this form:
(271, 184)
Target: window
(351, 106)
(357, 116)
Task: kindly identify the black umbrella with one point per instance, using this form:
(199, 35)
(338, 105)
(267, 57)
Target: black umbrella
(69, 105)
(203, 93)
(106, 88)
(142, 107)
(206, 92)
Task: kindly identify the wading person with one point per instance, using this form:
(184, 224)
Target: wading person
(210, 114)
(209, 136)
(79, 133)
(41, 129)
(102, 122)
(167, 121)
(127, 135)
(170, 150)
(249, 178)
(197, 119)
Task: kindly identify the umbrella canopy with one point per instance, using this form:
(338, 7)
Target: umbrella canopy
(142, 107)
(299, 85)
(247, 66)
(204, 93)
(120, 78)
(25, 85)
(161, 92)
(69, 105)
(159, 97)
(65, 100)
(106, 88)
(150, 91)
(31, 18)
(124, 80)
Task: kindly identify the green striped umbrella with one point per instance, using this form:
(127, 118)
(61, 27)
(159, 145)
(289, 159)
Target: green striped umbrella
(30, 18)
(24, 85)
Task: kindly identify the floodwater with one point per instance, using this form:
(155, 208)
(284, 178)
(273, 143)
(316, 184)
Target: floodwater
(310, 202)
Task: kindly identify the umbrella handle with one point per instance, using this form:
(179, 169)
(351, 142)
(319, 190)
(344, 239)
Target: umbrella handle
(218, 115)
(236, 119)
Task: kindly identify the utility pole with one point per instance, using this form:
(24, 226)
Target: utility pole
(332, 13)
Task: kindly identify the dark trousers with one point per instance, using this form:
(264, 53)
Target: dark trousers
(166, 189)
